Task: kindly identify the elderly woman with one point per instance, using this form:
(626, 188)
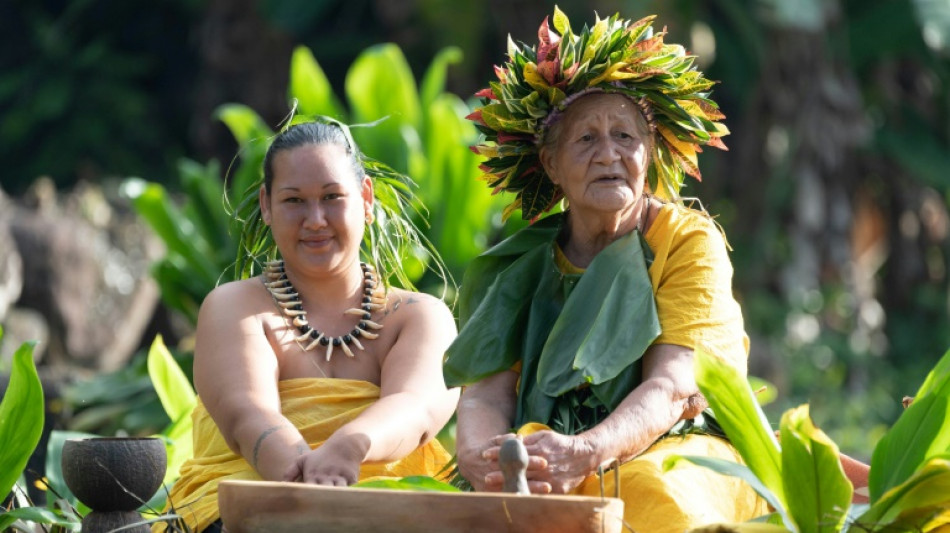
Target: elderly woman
(314, 371)
(580, 330)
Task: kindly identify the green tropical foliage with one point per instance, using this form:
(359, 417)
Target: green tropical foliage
(120, 402)
(197, 236)
(21, 416)
(803, 479)
(178, 398)
(411, 483)
(21, 425)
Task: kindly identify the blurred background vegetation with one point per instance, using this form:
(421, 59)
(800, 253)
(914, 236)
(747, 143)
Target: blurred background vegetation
(834, 194)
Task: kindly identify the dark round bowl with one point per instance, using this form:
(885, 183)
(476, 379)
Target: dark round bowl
(114, 474)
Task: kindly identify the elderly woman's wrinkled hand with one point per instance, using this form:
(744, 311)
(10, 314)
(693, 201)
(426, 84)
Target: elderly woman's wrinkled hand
(569, 460)
(477, 462)
(484, 472)
(556, 463)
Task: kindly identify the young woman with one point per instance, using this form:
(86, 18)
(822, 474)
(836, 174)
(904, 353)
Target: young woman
(314, 371)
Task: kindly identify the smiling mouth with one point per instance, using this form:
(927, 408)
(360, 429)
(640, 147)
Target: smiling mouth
(316, 242)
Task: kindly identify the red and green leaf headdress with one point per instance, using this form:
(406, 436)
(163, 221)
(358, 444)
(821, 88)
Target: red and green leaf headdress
(617, 56)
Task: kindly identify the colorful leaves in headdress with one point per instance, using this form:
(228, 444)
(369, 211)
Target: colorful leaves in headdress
(614, 55)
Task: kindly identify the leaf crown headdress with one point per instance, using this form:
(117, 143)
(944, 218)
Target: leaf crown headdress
(615, 56)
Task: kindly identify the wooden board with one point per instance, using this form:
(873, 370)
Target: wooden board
(272, 507)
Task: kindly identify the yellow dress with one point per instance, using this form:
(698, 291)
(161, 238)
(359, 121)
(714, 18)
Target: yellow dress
(691, 277)
(317, 407)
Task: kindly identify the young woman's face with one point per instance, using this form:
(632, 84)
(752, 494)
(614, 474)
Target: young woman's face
(600, 155)
(317, 207)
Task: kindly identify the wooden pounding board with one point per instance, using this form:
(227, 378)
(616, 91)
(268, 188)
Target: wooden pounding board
(273, 507)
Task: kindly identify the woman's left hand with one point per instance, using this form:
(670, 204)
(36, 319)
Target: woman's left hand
(567, 461)
(330, 464)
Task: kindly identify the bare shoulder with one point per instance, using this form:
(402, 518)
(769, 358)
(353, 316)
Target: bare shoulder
(418, 307)
(235, 299)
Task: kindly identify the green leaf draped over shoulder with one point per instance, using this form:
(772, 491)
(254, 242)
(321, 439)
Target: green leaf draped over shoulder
(490, 304)
(570, 332)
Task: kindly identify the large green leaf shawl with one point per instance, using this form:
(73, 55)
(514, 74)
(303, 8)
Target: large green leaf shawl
(579, 337)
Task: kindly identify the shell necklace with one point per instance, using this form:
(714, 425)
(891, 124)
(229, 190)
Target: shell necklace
(287, 299)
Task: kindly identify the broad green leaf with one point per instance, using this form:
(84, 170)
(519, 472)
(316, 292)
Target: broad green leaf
(205, 205)
(178, 233)
(921, 432)
(179, 446)
(433, 82)
(380, 85)
(909, 505)
(21, 417)
(461, 218)
(244, 123)
(417, 483)
(310, 86)
(739, 414)
(561, 23)
(742, 472)
(817, 492)
(40, 515)
(172, 385)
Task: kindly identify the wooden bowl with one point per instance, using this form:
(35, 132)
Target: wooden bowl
(114, 474)
(259, 506)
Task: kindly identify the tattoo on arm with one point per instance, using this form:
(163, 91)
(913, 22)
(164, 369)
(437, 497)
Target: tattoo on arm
(260, 440)
(395, 307)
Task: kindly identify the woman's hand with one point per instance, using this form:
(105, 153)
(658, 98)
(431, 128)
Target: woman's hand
(334, 463)
(483, 471)
(477, 462)
(556, 463)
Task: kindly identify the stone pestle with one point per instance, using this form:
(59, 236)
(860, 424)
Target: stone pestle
(513, 459)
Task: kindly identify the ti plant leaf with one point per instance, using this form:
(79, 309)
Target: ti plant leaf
(921, 433)
(739, 414)
(817, 492)
(21, 417)
(178, 398)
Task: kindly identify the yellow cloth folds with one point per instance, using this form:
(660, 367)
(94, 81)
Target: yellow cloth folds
(684, 498)
(317, 407)
(692, 282)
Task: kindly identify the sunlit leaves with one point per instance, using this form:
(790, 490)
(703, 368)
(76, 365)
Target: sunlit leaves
(21, 417)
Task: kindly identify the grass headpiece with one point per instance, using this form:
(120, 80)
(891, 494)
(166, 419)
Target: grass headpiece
(390, 238)
(615, 56)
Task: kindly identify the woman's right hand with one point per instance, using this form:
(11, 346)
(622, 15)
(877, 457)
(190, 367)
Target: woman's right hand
(476, 462)
(336, 462)
(485, 413)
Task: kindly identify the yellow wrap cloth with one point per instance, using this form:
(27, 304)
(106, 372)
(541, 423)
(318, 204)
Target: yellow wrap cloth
(317, 407)
(686, 497)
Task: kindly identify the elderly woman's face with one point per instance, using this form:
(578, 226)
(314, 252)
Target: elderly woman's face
(600, 155)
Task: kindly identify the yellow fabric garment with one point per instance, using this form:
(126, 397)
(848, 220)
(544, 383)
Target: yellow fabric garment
(317, 407)
(692, 283)
(681, 499)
